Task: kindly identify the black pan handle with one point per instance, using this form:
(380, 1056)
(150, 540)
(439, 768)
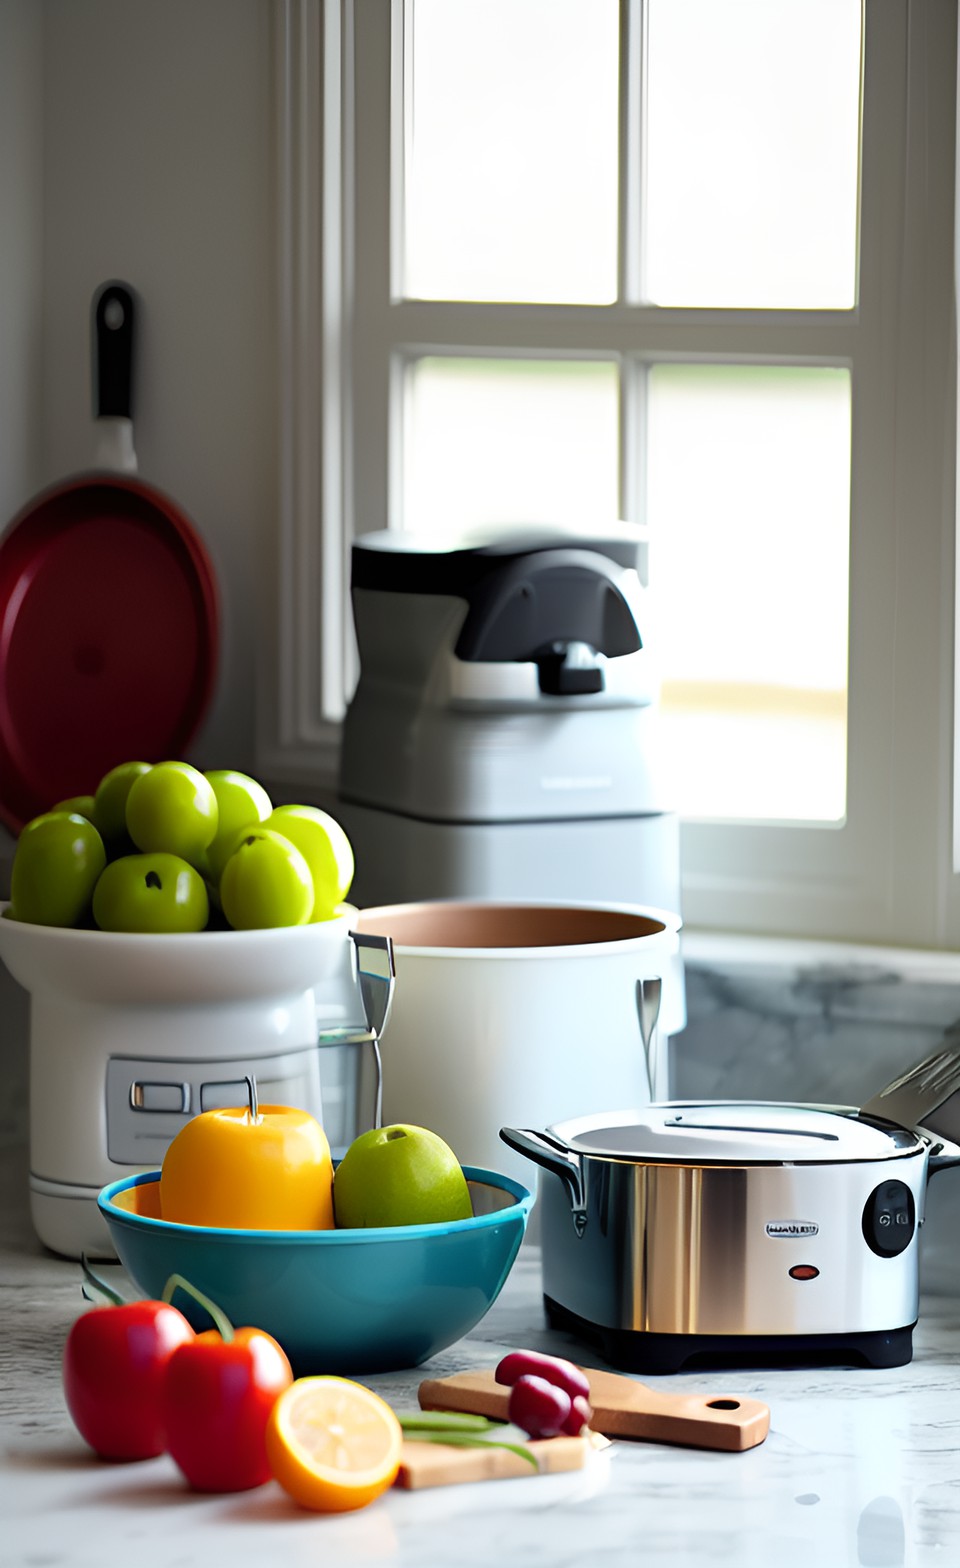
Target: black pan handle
(114, 322)
(562, 1162)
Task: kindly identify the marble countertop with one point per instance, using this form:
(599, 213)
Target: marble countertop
(859, 1468)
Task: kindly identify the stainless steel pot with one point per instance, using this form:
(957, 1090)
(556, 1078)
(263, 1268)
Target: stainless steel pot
(730, 1232)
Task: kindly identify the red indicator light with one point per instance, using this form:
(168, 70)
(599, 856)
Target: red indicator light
(803, 1271)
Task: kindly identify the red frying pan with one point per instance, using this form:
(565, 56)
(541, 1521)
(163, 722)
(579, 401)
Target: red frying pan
(108, 610)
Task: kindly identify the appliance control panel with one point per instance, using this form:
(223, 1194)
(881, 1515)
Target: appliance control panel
(889, 1219)
(148, 1102)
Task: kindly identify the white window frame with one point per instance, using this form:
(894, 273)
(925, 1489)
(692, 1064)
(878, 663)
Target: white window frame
(889, 873)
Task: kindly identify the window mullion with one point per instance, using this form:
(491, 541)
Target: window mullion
(633, 379)
(793, 336)
(632, 143)
(371, 341)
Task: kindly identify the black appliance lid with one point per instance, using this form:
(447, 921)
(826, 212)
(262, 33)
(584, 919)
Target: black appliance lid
(543, 595)
(397, 562)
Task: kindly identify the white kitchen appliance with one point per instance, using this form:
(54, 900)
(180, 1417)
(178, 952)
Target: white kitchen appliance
(131, 1035)
(502, 740)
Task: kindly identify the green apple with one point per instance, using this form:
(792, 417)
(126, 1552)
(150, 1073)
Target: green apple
(150, 892)
(82, 805)
(326, 849)
(56, 863)
(399, 1175)
(266, 882)
(172, 809)
(241, 802)
(110, 800)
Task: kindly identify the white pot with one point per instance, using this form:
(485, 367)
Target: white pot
(519, 1014)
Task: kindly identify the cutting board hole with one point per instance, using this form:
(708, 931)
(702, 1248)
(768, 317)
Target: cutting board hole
(723, 1404)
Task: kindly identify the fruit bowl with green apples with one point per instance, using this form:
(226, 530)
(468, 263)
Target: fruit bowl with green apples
(169, 887)
(165, 849)
(169, 928)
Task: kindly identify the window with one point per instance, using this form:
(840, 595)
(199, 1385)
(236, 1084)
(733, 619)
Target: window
(685, 263)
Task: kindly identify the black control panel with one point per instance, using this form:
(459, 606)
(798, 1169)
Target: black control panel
(889, 1218)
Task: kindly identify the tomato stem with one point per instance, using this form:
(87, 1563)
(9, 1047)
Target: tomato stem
(113, 1296)
(221, 1322)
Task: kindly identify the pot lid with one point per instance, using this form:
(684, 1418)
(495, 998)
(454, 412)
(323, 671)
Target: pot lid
(728, 1132)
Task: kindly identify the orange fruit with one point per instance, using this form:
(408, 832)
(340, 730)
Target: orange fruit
(226, 1169)
(332, 1444)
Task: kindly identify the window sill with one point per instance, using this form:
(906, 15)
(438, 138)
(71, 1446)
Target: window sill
(711, 948)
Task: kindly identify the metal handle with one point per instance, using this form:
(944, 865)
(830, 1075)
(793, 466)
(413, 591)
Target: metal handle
(649, 997)
(376, 977)
(560, 1162)
(943, 1157)
(926, 1098)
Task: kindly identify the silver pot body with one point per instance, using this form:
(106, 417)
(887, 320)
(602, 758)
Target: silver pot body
(730, 1250)
(780, 1238)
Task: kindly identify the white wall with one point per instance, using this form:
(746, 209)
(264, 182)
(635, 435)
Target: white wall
(136, 142)
(157, 169)
(21, 151)
(21, 190)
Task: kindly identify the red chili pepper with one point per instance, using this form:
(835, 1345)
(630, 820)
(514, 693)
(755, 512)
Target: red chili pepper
(218, 1393)
(114, 1364)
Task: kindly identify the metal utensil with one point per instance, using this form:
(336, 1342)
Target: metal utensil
(376, 978)
(649, 996)
(923, 1096)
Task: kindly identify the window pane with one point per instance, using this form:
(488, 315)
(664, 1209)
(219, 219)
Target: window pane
(511, 157)
(748, 504)
(508, 441)
(752, 125)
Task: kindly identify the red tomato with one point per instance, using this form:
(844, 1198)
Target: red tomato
(114, 1363)
(218, 1394)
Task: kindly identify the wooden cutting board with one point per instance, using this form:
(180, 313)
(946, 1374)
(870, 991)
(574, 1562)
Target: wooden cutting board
(622, 1408)
(440, 1464)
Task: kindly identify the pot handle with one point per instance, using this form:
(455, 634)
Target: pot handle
(113, 334)
(560, 1162)
(649, 995)
(943, 1156)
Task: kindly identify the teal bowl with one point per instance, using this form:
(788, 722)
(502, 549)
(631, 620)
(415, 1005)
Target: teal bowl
(345, 1301)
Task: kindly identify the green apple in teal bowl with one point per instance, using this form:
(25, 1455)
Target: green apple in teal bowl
(266, 882)
(399, 1175)
(151, 893)
(56, 864)
(241, 803)
(110, 799)
(324, 846)
(172, 808)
